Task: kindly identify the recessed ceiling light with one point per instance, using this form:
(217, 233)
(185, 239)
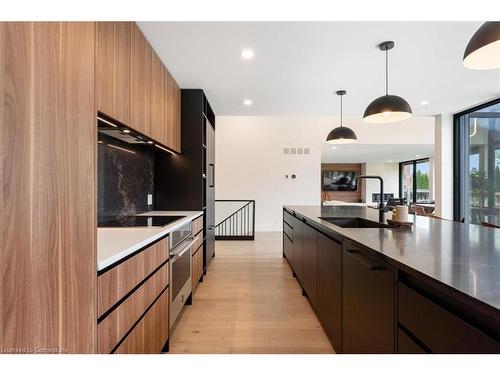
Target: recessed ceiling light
(247, 102)
(334, 147)
(424, 102)
(247, 54)
(150, 142)
(390, 161)
(126, 131)
(417, 156)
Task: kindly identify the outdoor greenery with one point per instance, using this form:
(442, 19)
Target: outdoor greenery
(422, 180)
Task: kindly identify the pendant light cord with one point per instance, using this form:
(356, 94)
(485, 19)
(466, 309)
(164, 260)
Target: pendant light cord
(386, 72)
(340, 110)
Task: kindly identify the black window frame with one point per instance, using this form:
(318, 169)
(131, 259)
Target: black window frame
(414, 163)
(461, 159)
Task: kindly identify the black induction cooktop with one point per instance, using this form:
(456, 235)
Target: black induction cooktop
(137, 221)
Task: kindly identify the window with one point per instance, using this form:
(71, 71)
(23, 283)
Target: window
(477, 164)
(414, 181)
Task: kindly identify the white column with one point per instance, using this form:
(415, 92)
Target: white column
(431, 178)
(443, 165)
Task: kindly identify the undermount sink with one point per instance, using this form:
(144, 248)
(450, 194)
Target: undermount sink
(354, 222)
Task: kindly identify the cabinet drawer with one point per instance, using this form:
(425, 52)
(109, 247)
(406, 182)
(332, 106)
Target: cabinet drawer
(118, 281)
(198, 242)
(437, 328)
(197, 268)
(197, 225)
(151, 334)
(288, 219)
(288, 249)
(112, 329)
(288, 230)
(406, 345)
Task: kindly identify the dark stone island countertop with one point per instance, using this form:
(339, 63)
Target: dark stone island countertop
(462, 256)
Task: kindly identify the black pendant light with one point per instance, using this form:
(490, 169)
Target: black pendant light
(387, 108)
(483, 50)
(342, 134)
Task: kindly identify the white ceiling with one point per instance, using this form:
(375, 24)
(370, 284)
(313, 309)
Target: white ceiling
(375, 153)
(298, 65)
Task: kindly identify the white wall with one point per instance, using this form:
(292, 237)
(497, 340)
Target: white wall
(388, 171)
(250, 164)
(443, 166)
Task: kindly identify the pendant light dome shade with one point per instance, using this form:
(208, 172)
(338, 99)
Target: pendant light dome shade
(341, 134)
(387, 108)
(483, 50)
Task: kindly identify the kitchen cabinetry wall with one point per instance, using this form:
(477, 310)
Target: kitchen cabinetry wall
(133, 86)
(54, 78)
(189, 183)
(367, 305)
(48, 143)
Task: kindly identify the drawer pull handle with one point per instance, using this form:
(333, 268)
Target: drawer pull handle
(371, 266)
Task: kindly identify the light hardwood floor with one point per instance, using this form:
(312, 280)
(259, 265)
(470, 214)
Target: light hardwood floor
(249, 303)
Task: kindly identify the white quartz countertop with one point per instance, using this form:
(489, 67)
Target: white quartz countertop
(114, 244)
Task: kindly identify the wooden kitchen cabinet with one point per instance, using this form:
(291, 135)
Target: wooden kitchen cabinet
(48, 140)
(309, 262)
(329, 289)
(113, 78)
(115, 283)
(151, 333)
(172, 112)
(197, 225)
(368, 302)
(140, 66)
(121, 319)
(134, 87)
(157, 102)
(197, 267)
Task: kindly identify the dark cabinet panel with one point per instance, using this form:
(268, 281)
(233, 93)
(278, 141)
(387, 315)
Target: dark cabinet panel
(406, 345)
(329, 289)
(368, 303)
(287, 228)
(309, 259)
(288, 218)
(440, 330)
(192, 190)
(287, 248)
(297, 248)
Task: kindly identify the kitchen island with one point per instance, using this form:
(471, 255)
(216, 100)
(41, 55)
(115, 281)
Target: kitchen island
(375, 289)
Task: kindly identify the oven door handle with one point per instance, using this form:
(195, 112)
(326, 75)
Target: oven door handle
(176, 255)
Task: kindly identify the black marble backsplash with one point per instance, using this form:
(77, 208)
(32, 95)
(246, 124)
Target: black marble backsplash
(125, 178)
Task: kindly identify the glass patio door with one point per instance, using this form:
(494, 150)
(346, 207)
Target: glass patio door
(478, 156)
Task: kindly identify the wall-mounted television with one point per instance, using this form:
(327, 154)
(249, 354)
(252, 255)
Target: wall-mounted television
(339, 180)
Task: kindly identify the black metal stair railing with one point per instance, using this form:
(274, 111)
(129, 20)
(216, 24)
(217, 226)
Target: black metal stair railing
(238, 224)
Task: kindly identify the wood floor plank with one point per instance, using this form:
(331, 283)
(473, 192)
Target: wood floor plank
(249, 303)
